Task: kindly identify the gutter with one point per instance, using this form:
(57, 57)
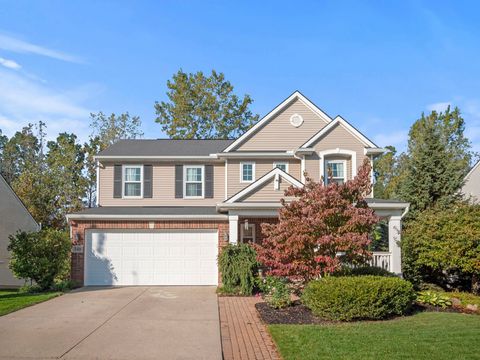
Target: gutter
(117, 217)
(156, 157)
(289, 154)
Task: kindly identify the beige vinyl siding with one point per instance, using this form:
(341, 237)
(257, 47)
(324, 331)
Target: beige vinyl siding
(262, 166)
(471, 189)
(163, 181)
(14, 217)
(279, 134)
(267, 192)
(340, 138)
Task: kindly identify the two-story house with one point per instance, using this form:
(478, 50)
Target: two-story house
(167, 207)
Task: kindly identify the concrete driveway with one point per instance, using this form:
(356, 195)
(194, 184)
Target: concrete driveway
(117, 323)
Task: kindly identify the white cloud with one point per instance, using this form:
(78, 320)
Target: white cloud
(10, 43)
(438, 107)
(397, 138)
(10, 64)
(23, 101)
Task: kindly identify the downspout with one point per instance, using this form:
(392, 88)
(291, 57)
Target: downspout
(302, 166)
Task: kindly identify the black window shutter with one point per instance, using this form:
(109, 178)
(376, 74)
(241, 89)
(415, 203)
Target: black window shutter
(147, 181)
(178, 181)
(209, 181)
(117, 181)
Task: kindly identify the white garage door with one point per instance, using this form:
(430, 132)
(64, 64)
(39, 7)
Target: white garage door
(173, 257)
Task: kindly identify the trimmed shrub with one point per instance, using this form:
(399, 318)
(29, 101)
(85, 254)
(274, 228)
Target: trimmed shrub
(362, 271)
(276, 292)
(238, 266)
(40, 256)
(358, 297)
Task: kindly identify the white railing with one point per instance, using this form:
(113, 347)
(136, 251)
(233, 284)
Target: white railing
(381, 259)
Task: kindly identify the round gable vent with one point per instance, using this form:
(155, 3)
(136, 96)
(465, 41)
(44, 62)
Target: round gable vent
(296, 120)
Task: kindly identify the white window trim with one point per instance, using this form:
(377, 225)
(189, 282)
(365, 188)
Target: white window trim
(185, 167)
(336, 161)
(242, 230)
(353, 157)
(241, 172)
(275, 163)
(123, 181)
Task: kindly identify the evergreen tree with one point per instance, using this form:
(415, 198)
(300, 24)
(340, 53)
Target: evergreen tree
(437, 162)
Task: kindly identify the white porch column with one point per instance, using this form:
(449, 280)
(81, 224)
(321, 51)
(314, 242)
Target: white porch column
(394, 237)
(233, 229)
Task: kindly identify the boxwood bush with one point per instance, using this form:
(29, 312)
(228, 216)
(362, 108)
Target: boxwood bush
(358, 297)
(362, 271)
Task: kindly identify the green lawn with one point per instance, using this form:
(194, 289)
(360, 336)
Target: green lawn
(12, 300)
(425, 335)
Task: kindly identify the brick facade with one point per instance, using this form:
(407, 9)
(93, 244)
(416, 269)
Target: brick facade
(78, 229)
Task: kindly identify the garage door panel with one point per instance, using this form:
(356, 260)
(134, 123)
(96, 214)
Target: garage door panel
(121, 257)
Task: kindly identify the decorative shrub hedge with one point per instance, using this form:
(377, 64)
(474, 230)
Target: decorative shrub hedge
(238, 266)
(358, 297)
(362, 271)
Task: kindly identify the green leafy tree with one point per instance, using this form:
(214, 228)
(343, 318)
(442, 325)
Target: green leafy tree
(438, 160)
(3, 142)
(91, 149)
(65, 161)
(388, 171)
(39, 256)
(110, 129)
(20, 152)
(443, 244)
(203, 107)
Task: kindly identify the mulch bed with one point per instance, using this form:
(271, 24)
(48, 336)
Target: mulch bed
(294, 314)
(300, 314)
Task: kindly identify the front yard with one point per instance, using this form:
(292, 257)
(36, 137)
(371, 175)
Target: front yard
(427, 335)
(12, 300)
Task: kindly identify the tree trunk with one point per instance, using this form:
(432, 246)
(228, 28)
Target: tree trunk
(476, 284)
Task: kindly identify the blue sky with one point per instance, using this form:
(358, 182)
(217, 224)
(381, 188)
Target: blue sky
(379, 64)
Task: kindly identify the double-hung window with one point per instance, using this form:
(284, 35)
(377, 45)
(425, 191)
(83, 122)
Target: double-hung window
(335, 170)
(132, 181)
(281, 165)
(194, 181)
(247, 172)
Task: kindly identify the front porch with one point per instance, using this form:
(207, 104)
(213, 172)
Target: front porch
(245, 226)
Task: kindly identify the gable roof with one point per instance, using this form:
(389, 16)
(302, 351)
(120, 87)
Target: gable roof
(472, 170)
(297, 95)
(165, 147)
(265, 178)
(350, 128)
(9, 188)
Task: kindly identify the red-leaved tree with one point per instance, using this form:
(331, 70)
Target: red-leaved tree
(321, 228)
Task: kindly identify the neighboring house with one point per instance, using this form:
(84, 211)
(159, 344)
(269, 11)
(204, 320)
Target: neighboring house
(14, 216)
(167, 207)
(471, 188)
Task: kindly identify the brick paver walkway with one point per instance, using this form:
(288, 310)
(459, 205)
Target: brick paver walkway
(244, 336)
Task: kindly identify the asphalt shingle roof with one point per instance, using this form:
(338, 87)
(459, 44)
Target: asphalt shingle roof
(165, 147)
